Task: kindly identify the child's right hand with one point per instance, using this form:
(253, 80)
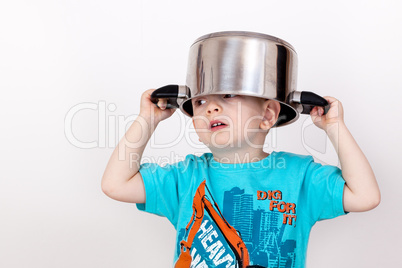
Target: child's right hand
(149, 110)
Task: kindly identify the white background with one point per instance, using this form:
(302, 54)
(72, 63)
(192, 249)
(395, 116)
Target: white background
(57, 56)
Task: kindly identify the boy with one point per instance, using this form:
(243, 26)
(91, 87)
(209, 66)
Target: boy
(239, 206)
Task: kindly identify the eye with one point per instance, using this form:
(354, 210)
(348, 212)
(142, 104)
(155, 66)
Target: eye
(199, 102)
(229, 96)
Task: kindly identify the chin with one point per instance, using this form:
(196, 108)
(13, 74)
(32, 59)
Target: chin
(222, 144)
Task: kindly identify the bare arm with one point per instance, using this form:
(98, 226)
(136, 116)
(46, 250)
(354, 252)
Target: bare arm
(361, 191)
(121, 179)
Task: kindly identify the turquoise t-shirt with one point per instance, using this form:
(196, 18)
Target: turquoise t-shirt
(271, 205)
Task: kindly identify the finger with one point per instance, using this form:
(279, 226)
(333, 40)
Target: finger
(320, 111)
(313, 111)
(330, 99)
(162, 103)
(147, 93)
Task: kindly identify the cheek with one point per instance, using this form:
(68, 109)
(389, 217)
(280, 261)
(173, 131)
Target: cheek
(251, 121)
(200, 123)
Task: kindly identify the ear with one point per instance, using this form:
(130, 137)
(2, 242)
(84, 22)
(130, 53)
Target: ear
(271, 113)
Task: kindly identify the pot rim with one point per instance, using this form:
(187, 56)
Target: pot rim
(246, 34)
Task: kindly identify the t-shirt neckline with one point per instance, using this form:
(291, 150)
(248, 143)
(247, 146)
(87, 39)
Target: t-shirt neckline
(262, 164)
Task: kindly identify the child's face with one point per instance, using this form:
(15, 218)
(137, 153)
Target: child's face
(242, 117)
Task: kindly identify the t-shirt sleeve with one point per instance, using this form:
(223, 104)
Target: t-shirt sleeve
(324, 187)
(161, 190)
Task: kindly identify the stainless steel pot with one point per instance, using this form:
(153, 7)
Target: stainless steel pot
(242, 63)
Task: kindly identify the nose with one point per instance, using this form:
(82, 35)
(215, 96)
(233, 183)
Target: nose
(213, 106)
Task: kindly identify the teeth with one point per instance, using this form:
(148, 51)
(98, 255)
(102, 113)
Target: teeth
(216, 124)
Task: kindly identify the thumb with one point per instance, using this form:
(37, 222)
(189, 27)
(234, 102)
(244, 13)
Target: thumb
(315, 115)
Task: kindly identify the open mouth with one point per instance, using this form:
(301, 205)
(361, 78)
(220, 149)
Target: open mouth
(216, 125)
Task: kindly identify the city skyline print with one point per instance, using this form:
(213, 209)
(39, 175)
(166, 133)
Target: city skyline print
(249, 230)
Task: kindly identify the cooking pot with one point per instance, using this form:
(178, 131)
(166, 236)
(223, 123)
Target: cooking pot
(242, 63)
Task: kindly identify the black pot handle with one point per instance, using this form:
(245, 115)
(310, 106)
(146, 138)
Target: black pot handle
(169, 92)
(308, 101)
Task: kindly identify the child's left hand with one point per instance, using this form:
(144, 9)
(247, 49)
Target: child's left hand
(333, 117)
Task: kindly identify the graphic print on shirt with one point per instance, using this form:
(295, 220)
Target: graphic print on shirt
(242, 235)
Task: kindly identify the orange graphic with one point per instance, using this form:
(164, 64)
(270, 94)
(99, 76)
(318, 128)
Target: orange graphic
(282, 207)
(262, 195)
(201, 202)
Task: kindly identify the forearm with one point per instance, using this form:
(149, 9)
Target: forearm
(356, 169)
(126, 157)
